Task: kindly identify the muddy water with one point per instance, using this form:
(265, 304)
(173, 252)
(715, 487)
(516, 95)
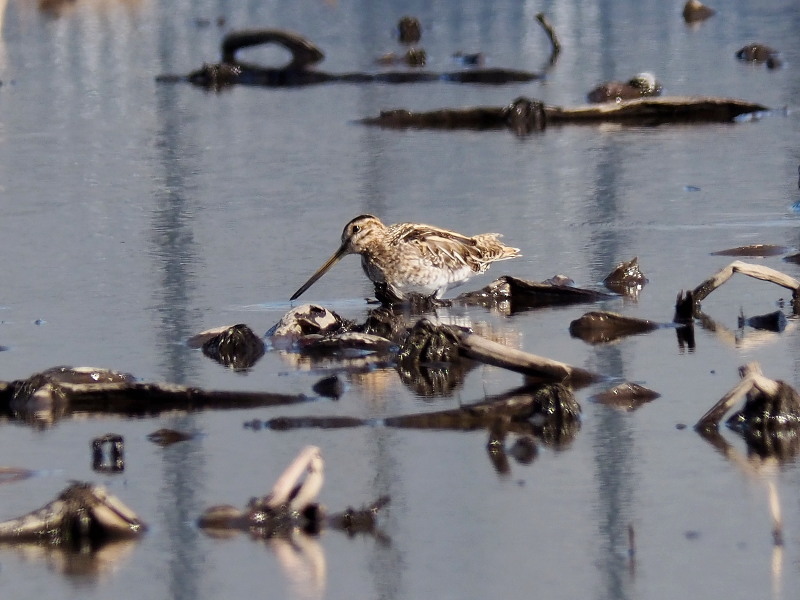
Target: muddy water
(136, 214)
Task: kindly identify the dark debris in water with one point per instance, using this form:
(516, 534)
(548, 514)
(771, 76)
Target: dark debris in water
(548, 412)
(774, 321)
(627, 396)
(625, 277)
(115, 460)
(760, 53)
(520, 294)
(754, 250)
(599, 327)
(166, 437)
(234, 346)
(330, 387)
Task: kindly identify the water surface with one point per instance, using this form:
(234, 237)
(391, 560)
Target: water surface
(136, 214)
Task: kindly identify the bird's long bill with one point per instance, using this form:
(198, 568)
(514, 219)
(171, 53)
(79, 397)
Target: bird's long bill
(321, 271)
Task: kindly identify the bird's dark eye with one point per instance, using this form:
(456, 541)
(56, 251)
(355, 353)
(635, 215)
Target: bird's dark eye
(356, 228)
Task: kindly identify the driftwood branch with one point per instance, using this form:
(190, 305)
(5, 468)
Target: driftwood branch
(649, 111)
(284, 492)
(688, 305)
(61, 391)
(756, 271)
(484, 350)
(157, 398)
(748, 373)
(83, 516)
(666, 109)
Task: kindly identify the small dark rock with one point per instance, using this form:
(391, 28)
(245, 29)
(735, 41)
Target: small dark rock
(330, 387)
(236, 346)
(628, 396)
(753, 250)
(166, 437)
(626, 275)
(695, 11)
(524, 450)
(599, 327)
(774, 321)
(756, 53)
(472, 60)
(642, 85)
(409, 30)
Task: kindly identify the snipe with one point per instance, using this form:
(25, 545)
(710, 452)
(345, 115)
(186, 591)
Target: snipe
(413, 257)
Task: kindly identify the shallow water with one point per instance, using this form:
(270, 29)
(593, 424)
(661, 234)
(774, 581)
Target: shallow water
(136, 214)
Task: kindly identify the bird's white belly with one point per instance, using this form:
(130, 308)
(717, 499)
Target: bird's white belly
(420, 278)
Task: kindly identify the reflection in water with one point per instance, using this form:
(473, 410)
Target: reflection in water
(63, 8)
(386, 560)
(302, 560)
(765, 470)
(613, 440)
(3, 60)
(182, 470)
(85, 566)
(613, 454)
(173, 256)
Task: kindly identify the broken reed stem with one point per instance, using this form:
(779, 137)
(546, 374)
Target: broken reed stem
(551, 33)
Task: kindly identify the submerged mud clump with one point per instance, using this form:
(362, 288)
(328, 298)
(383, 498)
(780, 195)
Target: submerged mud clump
(430, 361)
(625, 276)
(234, 346)
(428, 342)
(556, 414)
(769, 411)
